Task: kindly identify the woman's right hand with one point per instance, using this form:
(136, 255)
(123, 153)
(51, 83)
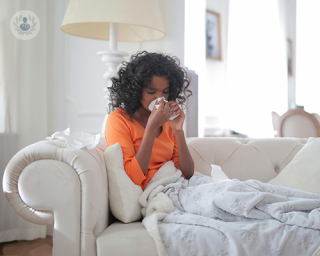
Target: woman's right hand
(159, 116)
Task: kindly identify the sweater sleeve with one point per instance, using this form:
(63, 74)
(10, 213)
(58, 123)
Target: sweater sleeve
(175, 157)
(118, 131)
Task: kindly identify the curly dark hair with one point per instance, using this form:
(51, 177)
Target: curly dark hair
(133, 76)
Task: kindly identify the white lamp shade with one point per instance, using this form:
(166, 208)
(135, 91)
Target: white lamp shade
(138, 20)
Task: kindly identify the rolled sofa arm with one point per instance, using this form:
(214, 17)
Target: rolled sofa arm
(51, 183)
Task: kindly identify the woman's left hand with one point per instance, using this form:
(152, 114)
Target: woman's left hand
(177, 123)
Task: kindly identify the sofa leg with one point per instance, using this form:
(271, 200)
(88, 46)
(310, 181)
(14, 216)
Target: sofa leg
(66, 234)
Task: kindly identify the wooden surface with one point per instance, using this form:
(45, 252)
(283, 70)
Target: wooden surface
(37, 247)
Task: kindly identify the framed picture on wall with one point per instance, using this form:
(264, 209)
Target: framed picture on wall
(289, 56)
(213, 36)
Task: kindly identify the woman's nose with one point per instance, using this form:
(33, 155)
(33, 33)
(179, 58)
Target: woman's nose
(160, 96)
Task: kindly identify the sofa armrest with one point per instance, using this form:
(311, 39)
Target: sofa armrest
(50, 182)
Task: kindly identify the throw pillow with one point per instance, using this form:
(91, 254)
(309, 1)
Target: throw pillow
(123, 193)
(303, 172)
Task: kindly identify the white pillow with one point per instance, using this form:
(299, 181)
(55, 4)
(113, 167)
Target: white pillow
(303, 172)
(123, 193)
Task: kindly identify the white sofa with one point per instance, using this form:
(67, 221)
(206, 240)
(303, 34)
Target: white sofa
(52, 183)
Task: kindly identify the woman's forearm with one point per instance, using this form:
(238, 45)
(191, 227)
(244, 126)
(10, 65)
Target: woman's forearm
(185, 160)
(144, 153)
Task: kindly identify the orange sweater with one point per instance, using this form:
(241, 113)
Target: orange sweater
(129, 134)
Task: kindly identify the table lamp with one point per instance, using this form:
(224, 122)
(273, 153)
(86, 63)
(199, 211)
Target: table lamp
(114, 20)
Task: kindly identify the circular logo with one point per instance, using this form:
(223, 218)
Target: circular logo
(25, 25)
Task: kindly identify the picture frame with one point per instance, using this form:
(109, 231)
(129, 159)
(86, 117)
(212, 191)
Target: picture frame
(213, 35)
(289, 57)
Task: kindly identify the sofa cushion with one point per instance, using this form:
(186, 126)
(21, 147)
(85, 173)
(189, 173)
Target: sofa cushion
(303, 172)
(244, 158)
(126, 239)
(123, 193)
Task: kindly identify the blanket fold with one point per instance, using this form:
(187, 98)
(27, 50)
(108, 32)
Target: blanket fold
(230, 217)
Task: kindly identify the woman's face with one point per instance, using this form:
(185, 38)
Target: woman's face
(158, 87)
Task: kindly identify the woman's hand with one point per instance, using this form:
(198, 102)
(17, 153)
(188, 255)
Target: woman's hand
(159, 116)
(177, 123)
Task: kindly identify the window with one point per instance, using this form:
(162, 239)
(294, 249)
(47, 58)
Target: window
(251, 80)
(308, 55)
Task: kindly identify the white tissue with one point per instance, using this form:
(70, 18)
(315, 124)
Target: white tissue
(77, 139)
(151, 105)
(217, 173)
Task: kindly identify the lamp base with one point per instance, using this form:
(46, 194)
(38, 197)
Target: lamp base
(112, 59)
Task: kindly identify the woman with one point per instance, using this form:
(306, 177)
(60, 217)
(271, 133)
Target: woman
(148, 139)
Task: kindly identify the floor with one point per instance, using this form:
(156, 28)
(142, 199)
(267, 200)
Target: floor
(38, 247)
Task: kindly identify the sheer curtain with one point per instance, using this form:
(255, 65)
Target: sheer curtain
(26, 72)
(256, 81)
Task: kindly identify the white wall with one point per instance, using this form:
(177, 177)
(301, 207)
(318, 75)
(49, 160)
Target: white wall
(56, 66)
(84, 107)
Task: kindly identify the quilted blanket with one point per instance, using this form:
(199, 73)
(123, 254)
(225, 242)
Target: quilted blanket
(203, 216)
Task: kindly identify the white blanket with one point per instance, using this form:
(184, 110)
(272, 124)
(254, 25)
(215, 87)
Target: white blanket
(202, 216)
